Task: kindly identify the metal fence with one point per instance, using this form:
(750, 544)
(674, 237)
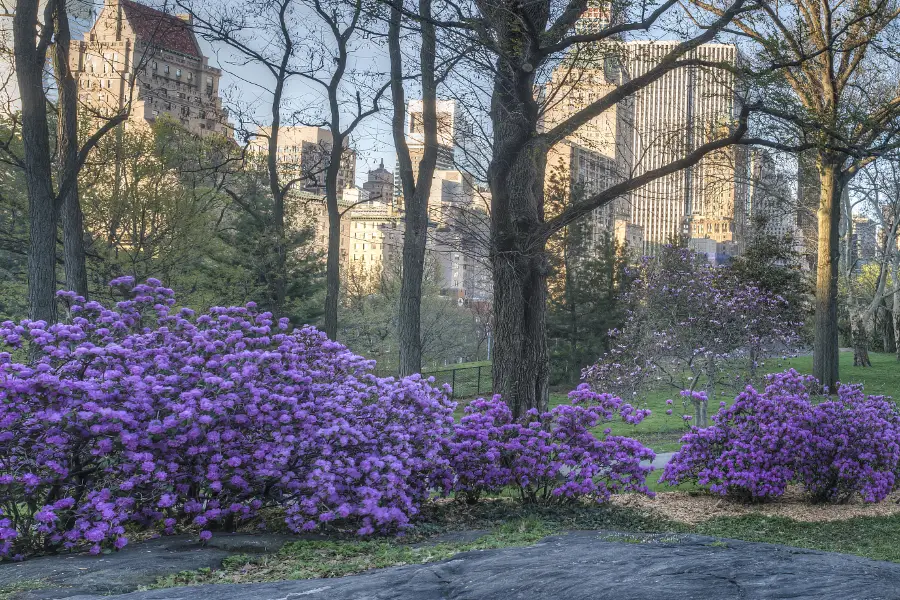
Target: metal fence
(466, 382)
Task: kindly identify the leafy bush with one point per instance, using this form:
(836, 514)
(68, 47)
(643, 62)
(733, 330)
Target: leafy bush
(855, 448)
(150, 415)
(550, 457)
(767, 440)
(691, 325)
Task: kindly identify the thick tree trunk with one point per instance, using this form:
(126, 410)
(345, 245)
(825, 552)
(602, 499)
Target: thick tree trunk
(521, 366)
(521, 360)
(825, 344)
(30, 57)
(74, 255)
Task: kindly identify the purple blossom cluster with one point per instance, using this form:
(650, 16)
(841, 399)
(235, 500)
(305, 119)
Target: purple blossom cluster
(690, 325)
(551, 457)
(152, 416)
(766, 440)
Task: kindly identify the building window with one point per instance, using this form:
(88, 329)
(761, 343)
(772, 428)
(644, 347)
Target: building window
(190, 76)
(177, 72)
(166, 69)
(155, 65)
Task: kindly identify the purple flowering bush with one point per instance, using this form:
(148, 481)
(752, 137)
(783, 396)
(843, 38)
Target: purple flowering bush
(855, 448)
(152, 416)
(691, 326)
(551, 457)
(767, 440)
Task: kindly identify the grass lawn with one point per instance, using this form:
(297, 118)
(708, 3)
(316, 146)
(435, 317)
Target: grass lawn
(871, 537)
(662, 432)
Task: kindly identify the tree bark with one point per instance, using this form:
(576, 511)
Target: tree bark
(520, 267)
(416, 191)
(333, 261)
(74, 255)
(30, 57)
(895, 312)
(825, 344)
(860, 336)
(332, 268)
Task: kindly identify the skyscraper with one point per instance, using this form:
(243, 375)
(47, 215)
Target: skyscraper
(597, 155)
(675, 114)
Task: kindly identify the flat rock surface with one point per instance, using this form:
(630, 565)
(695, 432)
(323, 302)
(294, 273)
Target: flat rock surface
(137, 565)
(591, 565)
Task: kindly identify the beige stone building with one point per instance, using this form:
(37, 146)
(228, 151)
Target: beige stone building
(138, 56)
(303, 153)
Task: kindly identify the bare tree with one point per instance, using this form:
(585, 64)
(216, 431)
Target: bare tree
(517, 44)
(837, 96)
(310, 40)
(879, 192)
(416, 188)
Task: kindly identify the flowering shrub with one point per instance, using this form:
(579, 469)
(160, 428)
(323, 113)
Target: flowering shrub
(690, 325)
(150, 415)
(751, 448)
(855, 448)
(549, 457)
(768, 439)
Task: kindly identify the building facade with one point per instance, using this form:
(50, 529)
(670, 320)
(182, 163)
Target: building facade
(675, 114)
(304, 154)
(138, 57)
(380, 185)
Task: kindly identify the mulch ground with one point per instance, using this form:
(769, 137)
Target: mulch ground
(696, 507)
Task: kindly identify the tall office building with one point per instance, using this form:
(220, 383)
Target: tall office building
(598, 154)
(134, 53)
(304, 152)
(451, 129)
(680, 111)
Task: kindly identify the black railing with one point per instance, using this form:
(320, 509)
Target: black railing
(466, 382)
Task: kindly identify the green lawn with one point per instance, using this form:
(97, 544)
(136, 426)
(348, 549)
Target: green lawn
(662, 432)
(871, 537)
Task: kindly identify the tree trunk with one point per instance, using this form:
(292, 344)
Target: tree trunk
(74, 256)
(895, 313)
(520, 267)
(414, 240)
(860, 338)
(333, 261)
(30, 57)
(416, 191)
(885, 324)
(825, 344)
